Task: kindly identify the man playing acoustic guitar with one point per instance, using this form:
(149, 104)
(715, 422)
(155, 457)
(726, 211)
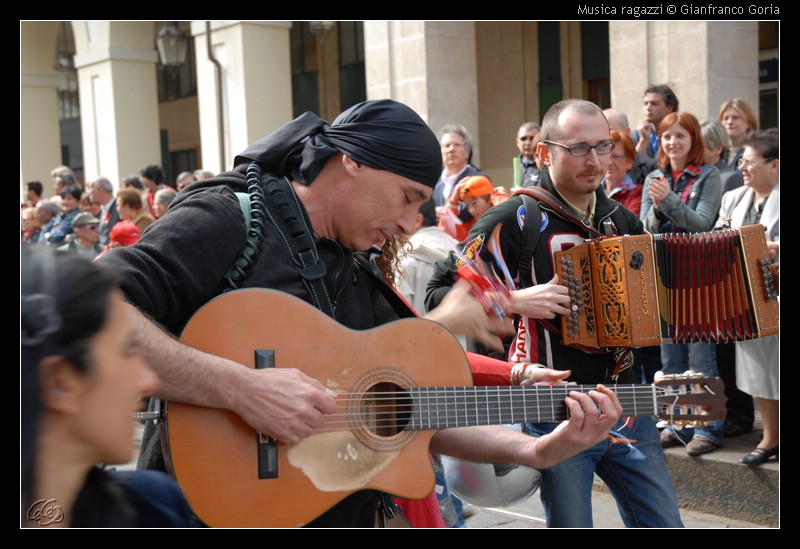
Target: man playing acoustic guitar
(311, 196)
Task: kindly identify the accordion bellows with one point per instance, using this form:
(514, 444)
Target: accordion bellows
(641, 290)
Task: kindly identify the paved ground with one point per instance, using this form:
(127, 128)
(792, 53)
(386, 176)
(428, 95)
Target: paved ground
(529, 514)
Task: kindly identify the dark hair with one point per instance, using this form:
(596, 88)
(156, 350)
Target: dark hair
(154, 172)
(64, 303)
(71, 190)
(666, 94)
(690, 123)
(765, 142)
(428, 211)
(35, 186)
(132, 181)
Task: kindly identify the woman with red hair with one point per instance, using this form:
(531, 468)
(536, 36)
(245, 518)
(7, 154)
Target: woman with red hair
(683, 194)
(617, 182)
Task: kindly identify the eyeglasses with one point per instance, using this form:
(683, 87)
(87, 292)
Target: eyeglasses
(618, 157)
(744, 162)
(89, 227)
(582, 149)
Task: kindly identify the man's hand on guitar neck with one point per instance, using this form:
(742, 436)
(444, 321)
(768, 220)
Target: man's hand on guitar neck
(591, 417)
(283, 403)
(586, 426)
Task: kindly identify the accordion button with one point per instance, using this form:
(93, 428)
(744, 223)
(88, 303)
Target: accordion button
(574, 307)
(580, 310)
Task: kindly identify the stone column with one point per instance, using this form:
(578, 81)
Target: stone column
(118, 95)
(39, 140)
(430, 66)
(704, 62)
(256, 85)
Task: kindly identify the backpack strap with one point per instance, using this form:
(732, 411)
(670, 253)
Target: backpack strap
(553, 202)
(530, 238)
(252, 204)
(244, 202)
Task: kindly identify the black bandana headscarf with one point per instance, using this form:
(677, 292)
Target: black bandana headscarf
(383, 134)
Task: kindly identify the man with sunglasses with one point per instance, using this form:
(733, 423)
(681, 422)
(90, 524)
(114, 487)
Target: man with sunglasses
(87, 236)
(526, 170)
(575, 147)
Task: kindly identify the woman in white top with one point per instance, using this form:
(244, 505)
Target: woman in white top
(758, 360)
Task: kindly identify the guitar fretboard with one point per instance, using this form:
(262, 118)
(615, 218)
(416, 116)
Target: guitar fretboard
(444, 407)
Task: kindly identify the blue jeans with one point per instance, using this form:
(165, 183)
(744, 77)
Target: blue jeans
(449, 505)
(642, 487)
(701, 358)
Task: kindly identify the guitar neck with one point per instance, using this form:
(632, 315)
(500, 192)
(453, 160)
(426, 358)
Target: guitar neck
(444, 407)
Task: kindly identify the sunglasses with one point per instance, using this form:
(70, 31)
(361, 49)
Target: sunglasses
(90, 227)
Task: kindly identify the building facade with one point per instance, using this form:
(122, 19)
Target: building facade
(94, 95)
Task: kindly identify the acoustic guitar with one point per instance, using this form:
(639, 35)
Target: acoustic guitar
(396, 385)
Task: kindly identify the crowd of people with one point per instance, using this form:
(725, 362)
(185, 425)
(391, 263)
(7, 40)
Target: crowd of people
(89, 219)
(348, 217)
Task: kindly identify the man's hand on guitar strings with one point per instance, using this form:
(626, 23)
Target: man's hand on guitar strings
(284, 403)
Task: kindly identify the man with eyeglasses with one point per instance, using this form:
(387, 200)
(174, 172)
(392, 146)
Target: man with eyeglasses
(575, 148)
(87, 236)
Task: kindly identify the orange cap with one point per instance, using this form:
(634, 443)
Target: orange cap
(476, 185)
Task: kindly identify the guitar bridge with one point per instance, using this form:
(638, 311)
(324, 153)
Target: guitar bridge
(267, 446)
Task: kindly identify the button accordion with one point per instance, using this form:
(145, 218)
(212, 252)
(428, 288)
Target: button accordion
(641, 290)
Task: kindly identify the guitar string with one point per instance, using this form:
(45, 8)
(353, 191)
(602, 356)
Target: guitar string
(369, 422)
(679, 412)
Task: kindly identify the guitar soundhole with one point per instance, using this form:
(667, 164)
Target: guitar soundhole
(381, 409)
(385, 409)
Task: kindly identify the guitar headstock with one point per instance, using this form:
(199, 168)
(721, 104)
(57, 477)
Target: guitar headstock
(690, 399)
